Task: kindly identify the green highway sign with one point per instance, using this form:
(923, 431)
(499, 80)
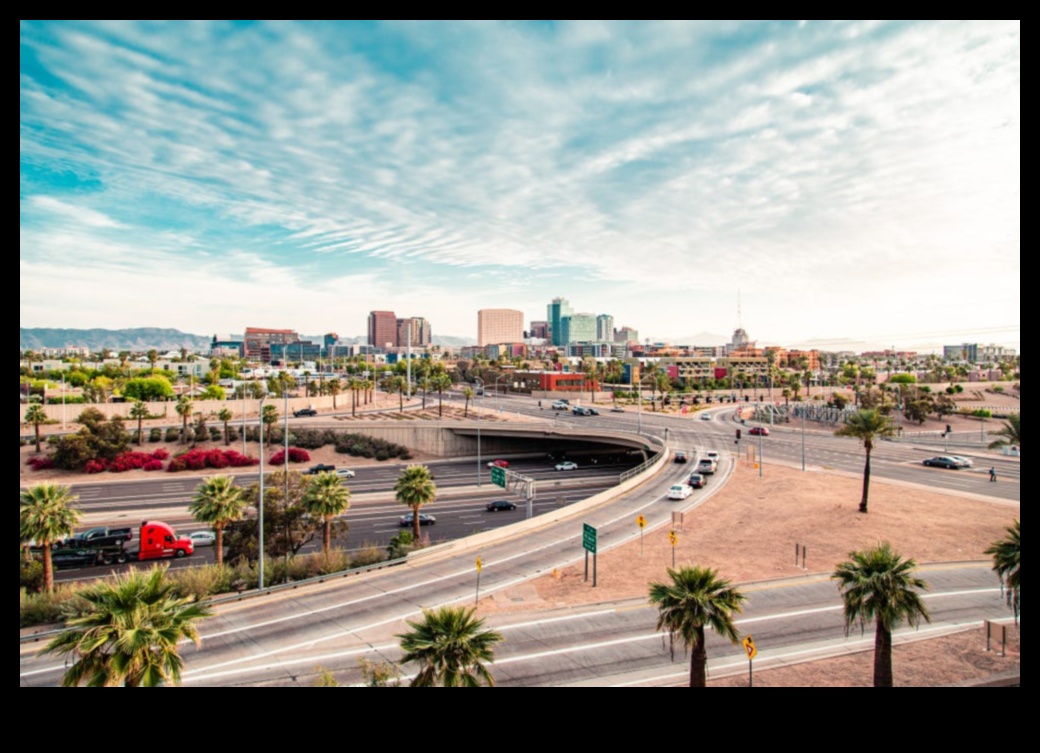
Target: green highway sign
(498, 476)
(588, 538)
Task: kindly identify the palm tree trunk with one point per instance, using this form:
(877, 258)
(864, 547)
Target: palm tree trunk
(353, 403)
(140, 437)
(440, 404)
(464, 415)
(326, 537)
(866, 484)
(48, 568)
(415, 522)
(699, 662)
(227, 439)
(218, 548)
(882, 657)
(37, 437)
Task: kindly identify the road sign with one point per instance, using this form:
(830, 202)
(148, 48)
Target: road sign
(673, 538)
(588, 538)
(480, 563)
(498, 476)
(641, 521)
(749, 647)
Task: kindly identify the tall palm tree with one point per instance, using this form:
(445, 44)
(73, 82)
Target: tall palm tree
(268, 417)
(46, 516)
(36, 415)
(139, 411)
(218, 502)
(868, 426)
(130, 634)
(326, 497)
(184, 409)
(334, 387)
(694, 599)
(1007, 564)
(225, 415)
(878, 584)
(416, 489)
(451, 648)
(441, 382)
(153, 357)
(1010, 433)
(425, 383)
(468, 393)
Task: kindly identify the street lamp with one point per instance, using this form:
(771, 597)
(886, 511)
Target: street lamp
(639, 400)
(261, 526)
(498, 395)
(480, 394)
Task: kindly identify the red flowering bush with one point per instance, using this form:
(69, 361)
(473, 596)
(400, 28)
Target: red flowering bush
(94, 466)
(296, 455)
(197, 460)
(161, 454)
(40, 462)
(153, 465)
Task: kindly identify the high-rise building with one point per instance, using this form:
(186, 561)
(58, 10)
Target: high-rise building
(540, 330)
(555, 312)
(423, 331)
(497, 326)
(626, 335)
(382, 329)
(258, 341)
(577, 328)
(604, 328)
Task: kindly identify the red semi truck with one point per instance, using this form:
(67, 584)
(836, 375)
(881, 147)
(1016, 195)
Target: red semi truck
(157, 540)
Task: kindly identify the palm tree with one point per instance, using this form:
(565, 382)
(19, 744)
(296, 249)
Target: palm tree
(36, 415)
(225, 415)
(441, 382)
(269, 417)
(218, 502)
(184, 409)
(878, 584)
(130, 634)
(1007, 564)
(326, 497)
(451, 648)
(46, 516)
(139, 410)
(694, 599)
(468, 393)
(1010, 433)
(153, 357)
(334, 387)
(425, 383)
(867, 426)
(415, 488)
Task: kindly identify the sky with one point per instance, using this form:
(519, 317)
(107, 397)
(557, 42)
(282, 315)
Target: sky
(812, 182)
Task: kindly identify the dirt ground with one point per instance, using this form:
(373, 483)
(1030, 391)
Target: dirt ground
(748, 532)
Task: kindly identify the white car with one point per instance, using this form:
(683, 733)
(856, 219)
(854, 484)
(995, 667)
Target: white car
(567, 465)
(705, 417)
(965, 462)
(714, 455)
(679, 491)
(203, 538)
(345, 473)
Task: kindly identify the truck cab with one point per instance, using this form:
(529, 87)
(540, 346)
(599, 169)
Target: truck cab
(159, 540)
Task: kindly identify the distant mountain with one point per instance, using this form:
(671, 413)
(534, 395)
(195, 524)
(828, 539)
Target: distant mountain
(136, 340)
(449, 341)
(704, 339)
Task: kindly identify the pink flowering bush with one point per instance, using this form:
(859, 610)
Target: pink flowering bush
(296, 455)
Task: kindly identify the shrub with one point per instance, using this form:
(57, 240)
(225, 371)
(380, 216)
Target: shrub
(173, 434)
(232, 434)
(161, 454)
(368, 554)
(153, 465)
(296, 455)
(202, 581)
(30, 574)
(155, 434)
(196, 460)
(45, 608)
(40, 462)
(94, 466)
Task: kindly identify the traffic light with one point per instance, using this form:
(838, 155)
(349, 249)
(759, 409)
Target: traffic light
(948, 429)
(738, 435)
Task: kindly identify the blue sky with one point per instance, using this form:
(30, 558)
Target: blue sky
(849, 180)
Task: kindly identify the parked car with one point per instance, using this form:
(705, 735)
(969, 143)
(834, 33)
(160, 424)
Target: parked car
(943, 461)
(561, 405)
(567, 465)
(305, 412)
(319, 468)
(679, 491)
(696, 480)
(203, 538)
(756, 430)
(498, 463)
(500, 504)
(679, 457)
(424, 520)
(706, 466)
(345, 473)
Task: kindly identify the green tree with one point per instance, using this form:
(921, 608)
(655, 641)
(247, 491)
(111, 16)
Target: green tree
(878, 584)
(36, 415)
(441, 382)
(696, 598)
(130, 634)
(1007, 564)
(225, 416)
(153, 358)
(269, 418)
(184, 409)
(218, 502)
(334, 386)
(326, 498)
(451, 648)
(468, 393)
(868, 426)
(149, 389)
(139, 411)
(416, 489)
(1010, 433)
(46, 516)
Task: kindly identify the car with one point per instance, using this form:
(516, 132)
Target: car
(965, 462)
(679, 457)
(713, 455)
(567, 465)
(591, 412)
(498, 463)
(561, 405)
(63, 558)
(706, 466)
(705, 416)
(424, 520)
(579, 410)
(679, 491)
(203, 538)
(943, 461)
(305, 412)
(696, 481)
(319, 468)
(758, 430)
(500, 504)
(617, 409)
(345, 473)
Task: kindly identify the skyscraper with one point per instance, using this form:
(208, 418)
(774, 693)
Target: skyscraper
(577, 328)
(382, 329)
(556, 311)
(498, 326)
(604, 328)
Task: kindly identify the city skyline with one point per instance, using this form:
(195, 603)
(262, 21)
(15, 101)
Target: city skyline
(853, 180)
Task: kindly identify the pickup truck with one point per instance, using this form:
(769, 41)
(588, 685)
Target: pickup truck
(305, 412)
(102, 536)
(319, 468)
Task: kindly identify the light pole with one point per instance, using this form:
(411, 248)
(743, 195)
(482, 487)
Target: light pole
(498, 395)
(480, 394)
(285, 451)
(639, 401)
(803, 437)
(63, 404)
(260, 529)
(760, 434)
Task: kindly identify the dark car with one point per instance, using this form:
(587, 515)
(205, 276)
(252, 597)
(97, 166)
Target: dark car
(319, 468)
(424, 520)
(305, 412)
(500, 504)
(696, 480)
(756, 430)
(63, 558)
(680, 457)
(943, 461)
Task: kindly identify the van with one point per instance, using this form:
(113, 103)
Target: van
(706, 466)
